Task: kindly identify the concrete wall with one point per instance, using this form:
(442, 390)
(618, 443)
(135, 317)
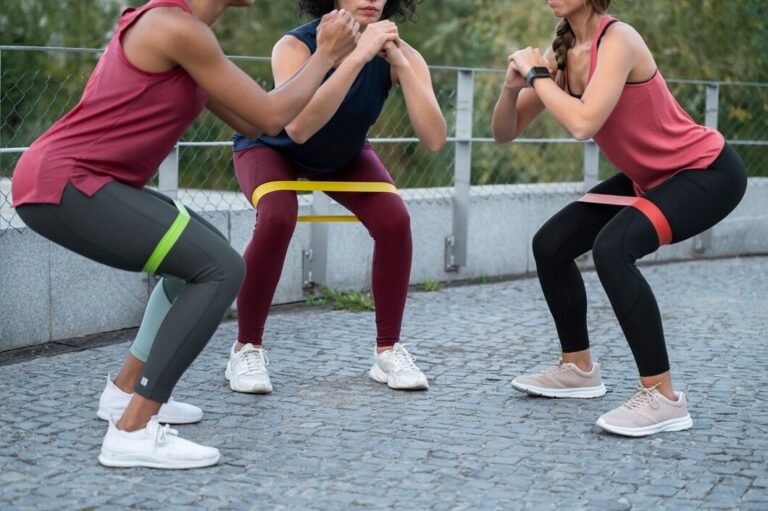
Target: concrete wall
(48, 293)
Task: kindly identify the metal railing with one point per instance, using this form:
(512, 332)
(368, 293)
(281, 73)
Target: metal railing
(39, 84)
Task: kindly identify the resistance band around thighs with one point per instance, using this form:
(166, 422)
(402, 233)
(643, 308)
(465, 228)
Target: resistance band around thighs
(321, 186)
(168, 240)
(644, 206)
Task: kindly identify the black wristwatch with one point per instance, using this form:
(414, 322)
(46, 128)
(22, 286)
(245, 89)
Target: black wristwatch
(537, 72)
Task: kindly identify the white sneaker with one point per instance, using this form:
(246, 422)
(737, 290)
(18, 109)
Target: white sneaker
(155, 446)
(114, 401)
(397, 369)
(247, 370)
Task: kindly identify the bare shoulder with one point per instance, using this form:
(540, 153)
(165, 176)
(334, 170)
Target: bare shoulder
(624, 34)
(291, 45)
(176, 31)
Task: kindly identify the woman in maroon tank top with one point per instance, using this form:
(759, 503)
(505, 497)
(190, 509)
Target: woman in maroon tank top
(81, 185)
(599, 80)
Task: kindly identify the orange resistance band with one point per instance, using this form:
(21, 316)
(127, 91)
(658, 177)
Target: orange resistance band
(644, 206)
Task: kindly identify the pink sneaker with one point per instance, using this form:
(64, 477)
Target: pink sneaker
(562, 380)
(646, 413)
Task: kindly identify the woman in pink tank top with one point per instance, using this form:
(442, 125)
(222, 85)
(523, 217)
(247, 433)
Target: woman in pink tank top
(81, 185)
(599, 80)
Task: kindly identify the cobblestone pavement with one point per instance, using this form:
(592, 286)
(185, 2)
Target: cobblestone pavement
(329, 438)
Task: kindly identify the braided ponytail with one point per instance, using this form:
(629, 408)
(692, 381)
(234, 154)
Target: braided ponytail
(565, 38)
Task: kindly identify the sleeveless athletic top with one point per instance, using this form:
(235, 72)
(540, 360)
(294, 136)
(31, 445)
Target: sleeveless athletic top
(125, 124)
(648, 136)
(343, 136)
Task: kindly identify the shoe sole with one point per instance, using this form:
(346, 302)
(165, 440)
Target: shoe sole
(579, 393)
(105, 414)
(121, 461)
(245, 390)
(679, 424)
(380, 376)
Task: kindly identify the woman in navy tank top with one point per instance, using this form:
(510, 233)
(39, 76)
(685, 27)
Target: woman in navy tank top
(327, 141)
(679, 178)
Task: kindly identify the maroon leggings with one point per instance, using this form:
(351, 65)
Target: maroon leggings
(383, 214)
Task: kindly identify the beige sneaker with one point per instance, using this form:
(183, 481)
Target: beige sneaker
(646, 413)
(562, 380)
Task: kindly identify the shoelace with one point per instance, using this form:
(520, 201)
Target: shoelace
(401, 359)
(163, 432)
(643, 397)
(255, 361)
(556, 368)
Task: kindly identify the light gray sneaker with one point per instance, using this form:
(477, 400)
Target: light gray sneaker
(562, 380)
(247, 370)
(646, 413)
(396, 368)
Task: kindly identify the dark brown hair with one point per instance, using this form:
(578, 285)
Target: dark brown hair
(565, 38)
(402, 10)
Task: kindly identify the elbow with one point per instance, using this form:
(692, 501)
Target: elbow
(583, 131)
(435, 144)
(503, 138)
(252, 132)
(274, 128)
(296, 135)
(437, 139)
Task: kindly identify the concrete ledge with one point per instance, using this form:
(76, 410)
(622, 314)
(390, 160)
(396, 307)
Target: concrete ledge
(48, 293)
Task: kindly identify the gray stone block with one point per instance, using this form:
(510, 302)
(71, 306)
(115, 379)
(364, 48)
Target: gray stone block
(25, 306)
(88, 297)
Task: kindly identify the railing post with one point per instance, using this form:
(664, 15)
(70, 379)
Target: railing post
(456, 243)
(703, 242)
(168, 175)
(591, 164)
(1, 98)
(315, 258)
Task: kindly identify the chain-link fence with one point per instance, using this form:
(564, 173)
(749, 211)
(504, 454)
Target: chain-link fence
(38, 85)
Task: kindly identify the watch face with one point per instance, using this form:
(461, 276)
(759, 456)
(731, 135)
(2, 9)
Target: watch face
(540, 71)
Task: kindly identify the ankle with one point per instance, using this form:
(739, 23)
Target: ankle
(130, 425)
(240, 345)
(582, 360)
(125, 384)
(382, 349)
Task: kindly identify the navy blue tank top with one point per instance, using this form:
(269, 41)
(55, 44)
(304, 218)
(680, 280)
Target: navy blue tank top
(343, 136)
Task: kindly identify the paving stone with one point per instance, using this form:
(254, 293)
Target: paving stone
(329, 438)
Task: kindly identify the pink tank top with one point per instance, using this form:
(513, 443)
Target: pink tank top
(648, 136)
(125, 124)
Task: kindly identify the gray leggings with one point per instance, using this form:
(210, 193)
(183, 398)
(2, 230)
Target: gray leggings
(120, 226)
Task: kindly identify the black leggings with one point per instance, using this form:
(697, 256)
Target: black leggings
(692, 201)
(120, 226)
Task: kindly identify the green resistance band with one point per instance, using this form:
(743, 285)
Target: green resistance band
(169, 239)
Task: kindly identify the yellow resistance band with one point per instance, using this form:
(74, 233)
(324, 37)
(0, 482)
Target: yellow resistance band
(168, 240)
(321, 186)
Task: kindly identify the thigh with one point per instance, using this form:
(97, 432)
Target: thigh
(366, 167)
(193, 214)
(260, 165)
(572, 230)
(119, 226)
(695, 200)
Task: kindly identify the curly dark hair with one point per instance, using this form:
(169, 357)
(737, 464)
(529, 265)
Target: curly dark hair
(402, 10)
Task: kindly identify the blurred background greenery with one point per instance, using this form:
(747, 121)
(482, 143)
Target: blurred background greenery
(717, 40)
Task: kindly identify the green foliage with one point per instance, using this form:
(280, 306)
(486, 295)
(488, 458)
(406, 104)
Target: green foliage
(354, 301)
(690, 39)
(431, 286)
